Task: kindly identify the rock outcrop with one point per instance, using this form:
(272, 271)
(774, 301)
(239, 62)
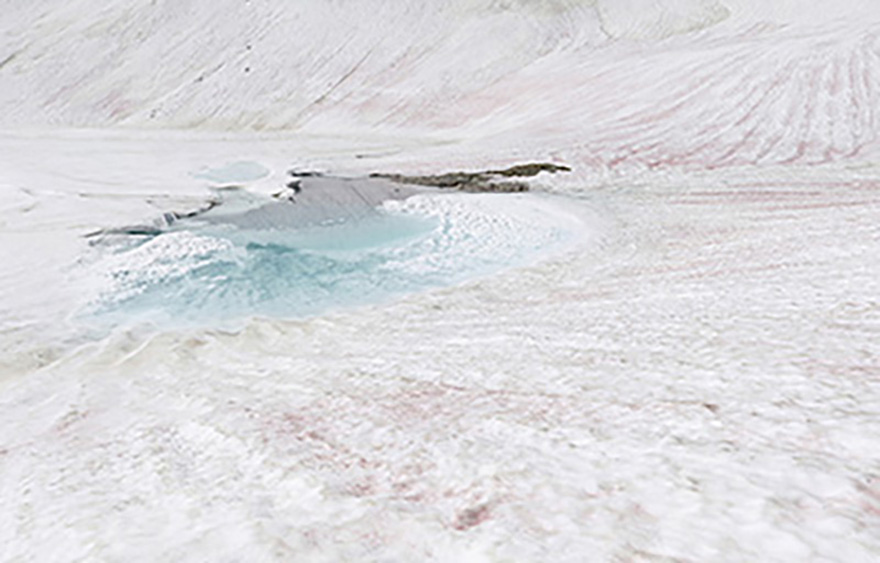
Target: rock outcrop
(497, 181)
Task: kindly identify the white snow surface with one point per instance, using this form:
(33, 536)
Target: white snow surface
(696, 380)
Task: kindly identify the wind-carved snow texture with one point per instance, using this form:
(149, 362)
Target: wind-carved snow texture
(696, 382)
(752, 88)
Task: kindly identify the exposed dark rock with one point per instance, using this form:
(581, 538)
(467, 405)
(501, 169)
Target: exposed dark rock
(450, 180)
(211, 204)
(168, 218)
(532, 169)
(305, 173)
(292, 188)
(495, 187)
(134, 230)
(486, 181)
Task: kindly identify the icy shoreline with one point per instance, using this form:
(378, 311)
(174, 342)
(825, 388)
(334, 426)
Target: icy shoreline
(160, 220)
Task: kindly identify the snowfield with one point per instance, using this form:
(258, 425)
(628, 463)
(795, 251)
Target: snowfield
(696, 377)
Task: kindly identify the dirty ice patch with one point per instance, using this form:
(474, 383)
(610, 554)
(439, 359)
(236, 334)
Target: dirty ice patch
(233, 173)
(218, 274)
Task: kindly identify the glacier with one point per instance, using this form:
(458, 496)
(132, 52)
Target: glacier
(673, 353)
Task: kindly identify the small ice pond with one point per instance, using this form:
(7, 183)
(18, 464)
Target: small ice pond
(332, 246)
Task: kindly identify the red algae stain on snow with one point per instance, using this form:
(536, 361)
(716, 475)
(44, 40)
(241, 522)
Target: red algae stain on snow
(70, 419)
(471, 517)
(870, 501)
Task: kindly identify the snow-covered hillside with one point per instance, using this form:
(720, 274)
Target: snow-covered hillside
(638, 82)
(695, 378)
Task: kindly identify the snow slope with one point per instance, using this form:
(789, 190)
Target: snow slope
(640, 82)
(697, 381)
